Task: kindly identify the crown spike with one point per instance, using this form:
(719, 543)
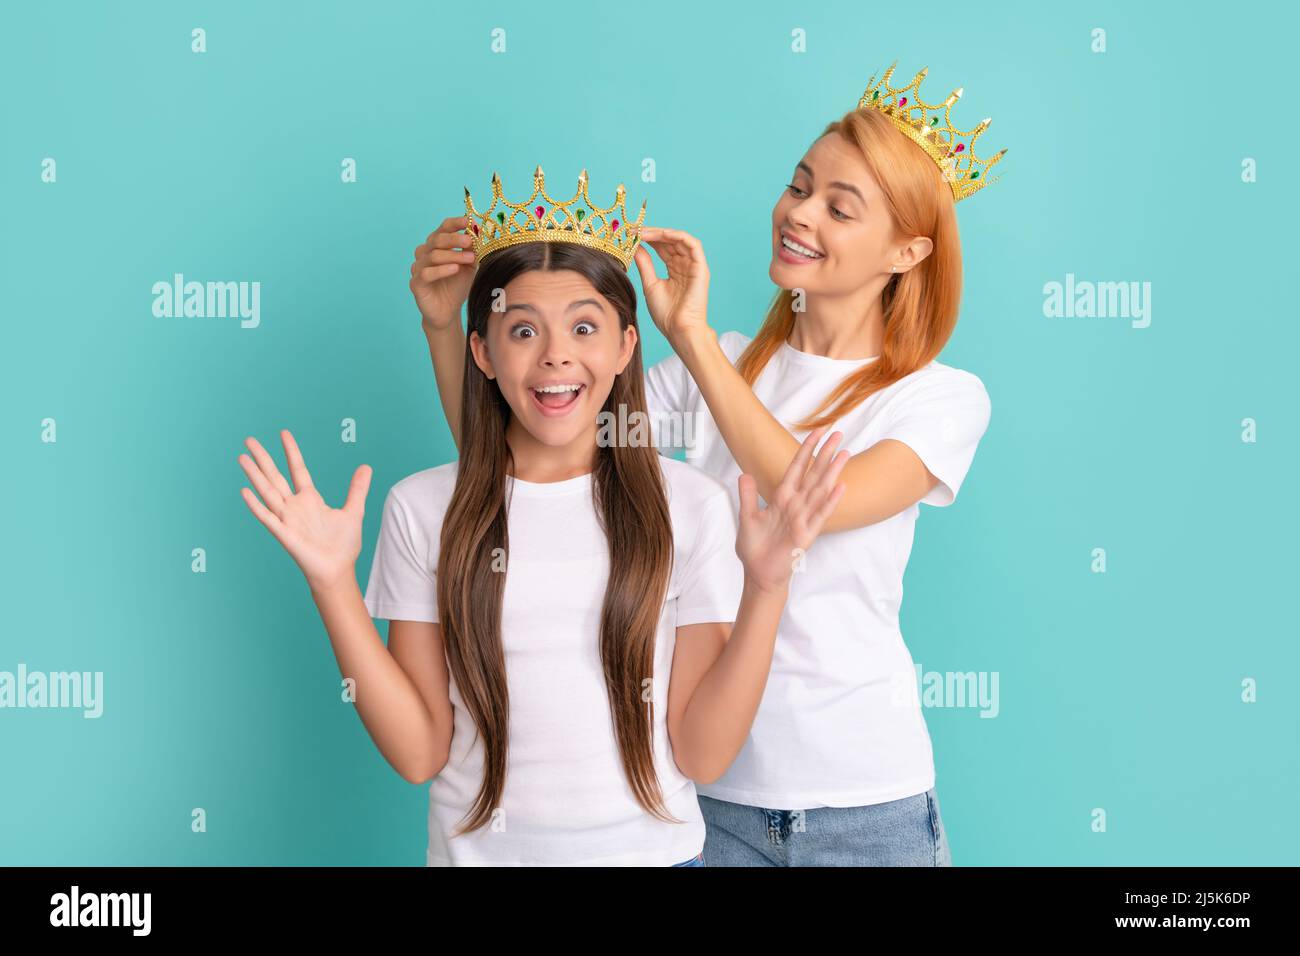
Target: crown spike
(951, 149)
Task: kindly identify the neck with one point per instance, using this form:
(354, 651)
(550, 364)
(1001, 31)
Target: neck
(841, 326)
(541, 463)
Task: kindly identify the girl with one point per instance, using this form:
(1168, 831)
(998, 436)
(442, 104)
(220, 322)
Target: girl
(562, 659)
(838, 768)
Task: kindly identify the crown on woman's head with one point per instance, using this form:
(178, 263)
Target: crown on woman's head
(942, 141)
(531, 221)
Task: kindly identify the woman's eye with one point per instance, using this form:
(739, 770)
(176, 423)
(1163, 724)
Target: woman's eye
(838, 214)
(796, 191)
(585, 325)
(522, 332)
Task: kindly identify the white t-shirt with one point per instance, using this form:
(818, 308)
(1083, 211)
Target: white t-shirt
(836, 726)
(566, 799)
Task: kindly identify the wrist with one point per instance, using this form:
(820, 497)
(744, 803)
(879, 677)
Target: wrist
(334, 586)
(692, 341)
(440, 325)
(778, 591)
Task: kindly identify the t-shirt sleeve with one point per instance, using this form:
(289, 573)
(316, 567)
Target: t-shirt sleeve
(403, 574)
(712, 577)
(943, 421)
(666, 386)
(671, 395)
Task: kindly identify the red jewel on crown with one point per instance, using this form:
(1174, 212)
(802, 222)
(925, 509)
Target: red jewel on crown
(539, 210)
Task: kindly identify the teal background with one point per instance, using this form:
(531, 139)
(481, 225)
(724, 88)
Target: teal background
(1119, 690)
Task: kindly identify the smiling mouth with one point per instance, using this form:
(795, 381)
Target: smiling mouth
(799, 250)
(557, 399)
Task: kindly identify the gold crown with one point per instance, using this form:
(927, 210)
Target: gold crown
(942, 141)
(597, 228)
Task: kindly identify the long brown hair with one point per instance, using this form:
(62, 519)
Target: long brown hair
(631, 505)
(920, 304)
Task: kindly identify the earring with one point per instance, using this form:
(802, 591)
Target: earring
(891, 268)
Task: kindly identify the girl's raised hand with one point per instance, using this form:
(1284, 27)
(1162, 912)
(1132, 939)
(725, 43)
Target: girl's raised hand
(442, 273)
(680, 303)
(323, 541)
(772, 541)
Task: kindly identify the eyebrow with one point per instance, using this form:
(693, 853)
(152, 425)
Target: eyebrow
(836, 184)
(572, 305)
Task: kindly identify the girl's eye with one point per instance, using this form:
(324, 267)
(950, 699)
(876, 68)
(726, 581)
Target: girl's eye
(585, 325)
(518, 332)
(795, 191)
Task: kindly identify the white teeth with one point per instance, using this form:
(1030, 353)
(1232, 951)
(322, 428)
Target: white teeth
(802, 250)
(557, 388)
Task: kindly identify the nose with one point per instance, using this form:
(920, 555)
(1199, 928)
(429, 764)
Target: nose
(556, 353)
(799, 214)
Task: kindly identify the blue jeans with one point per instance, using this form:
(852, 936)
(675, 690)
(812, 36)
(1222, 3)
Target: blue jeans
(905, 832)
(696, 860)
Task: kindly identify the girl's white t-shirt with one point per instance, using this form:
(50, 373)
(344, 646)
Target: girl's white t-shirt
(566, 799)
(840, 721)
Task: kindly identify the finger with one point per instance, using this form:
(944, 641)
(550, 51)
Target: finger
(794, 472)
(439, 257)
(267, 464)
(273, 499)
(691, 244)
(748, 497)
(434, 273)
(827, 508)
(356, 500)
(817, 493)
(452, 240)
(451, 224)
(646, 266)
(269, 521)
(297, 467)
(820, 461)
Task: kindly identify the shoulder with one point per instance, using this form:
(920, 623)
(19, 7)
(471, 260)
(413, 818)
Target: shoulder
(427, 492)
(690, 488)
(733, 344)
(938, 381)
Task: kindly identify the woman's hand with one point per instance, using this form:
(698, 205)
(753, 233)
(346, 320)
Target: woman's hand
(679, 304)
(772, 542)
(323, 541)
(443, 270)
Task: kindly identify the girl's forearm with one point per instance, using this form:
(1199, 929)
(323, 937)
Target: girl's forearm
(390, 705)
(722, 708)
(447, 351)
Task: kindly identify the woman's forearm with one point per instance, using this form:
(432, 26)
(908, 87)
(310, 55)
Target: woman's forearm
(757, 441)
(722, 708)
(390, 705)
(447, 351)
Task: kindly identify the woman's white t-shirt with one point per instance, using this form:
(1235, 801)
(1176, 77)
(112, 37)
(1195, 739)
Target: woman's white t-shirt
(840, 721)
(566, 799)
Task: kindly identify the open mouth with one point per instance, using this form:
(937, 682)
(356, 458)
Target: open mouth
(557, 399)
(792, 251)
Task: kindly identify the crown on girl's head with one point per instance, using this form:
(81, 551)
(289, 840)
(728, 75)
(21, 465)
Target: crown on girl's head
(942, 142)
(531, 221)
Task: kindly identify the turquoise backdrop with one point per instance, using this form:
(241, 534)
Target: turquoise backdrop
(1156, 691)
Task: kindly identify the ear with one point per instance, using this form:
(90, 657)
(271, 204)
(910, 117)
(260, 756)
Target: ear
(912, 253)
(629, 346)
(478, 348)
